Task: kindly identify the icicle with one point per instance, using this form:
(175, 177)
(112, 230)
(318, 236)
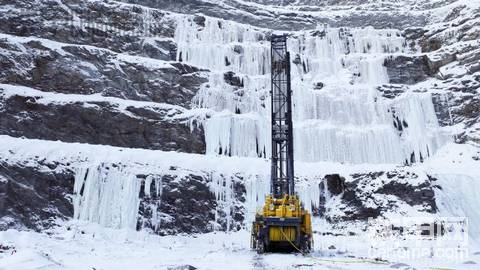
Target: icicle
(158, 186)
(148, 183)
(222, 187)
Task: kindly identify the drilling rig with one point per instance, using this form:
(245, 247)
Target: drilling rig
(282, 224)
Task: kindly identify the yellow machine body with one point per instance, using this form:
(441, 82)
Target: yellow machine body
(282, 223)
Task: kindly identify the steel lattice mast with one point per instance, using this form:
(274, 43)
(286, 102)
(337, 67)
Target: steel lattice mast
(282, 181)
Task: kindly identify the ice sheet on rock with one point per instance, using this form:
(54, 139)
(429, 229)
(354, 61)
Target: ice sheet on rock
(459, 198)
(417, 122)
(376, 144)
(107, 196)
(237, 135)
(309, 191)
(338, 113)
(222, 45)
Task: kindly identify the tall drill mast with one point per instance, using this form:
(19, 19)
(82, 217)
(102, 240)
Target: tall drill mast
(283, 223)
(282, 181)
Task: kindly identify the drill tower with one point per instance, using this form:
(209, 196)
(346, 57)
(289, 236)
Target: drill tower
(282, 181)
(283, 224)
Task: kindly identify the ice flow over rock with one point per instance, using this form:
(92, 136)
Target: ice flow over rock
(338, 113)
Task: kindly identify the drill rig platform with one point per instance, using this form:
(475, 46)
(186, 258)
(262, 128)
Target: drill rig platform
(283, 224)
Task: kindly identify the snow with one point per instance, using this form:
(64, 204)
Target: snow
(79, 245)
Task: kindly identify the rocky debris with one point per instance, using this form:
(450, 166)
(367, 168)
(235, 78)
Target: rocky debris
(7, 249)
(99, 123)
(34, 197)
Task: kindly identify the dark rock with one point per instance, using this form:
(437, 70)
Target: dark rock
(391, 91)
(182, 267)
(186, 205)
(297, 60)
(98, 123)
(408, 69)
(105, 24)
(335, 183)
(199, 20)
(233, 80)
(34, 197)
(434, 65)
(87, 71)
(318, 86)
(400, 266)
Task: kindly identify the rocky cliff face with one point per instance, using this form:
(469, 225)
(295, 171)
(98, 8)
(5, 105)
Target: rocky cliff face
(146, 74)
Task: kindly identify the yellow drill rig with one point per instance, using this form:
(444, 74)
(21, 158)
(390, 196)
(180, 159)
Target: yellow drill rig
(283, 224)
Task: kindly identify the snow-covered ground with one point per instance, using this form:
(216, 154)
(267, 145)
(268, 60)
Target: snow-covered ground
(88, 246)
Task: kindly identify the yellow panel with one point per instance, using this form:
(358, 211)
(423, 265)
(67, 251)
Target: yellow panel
(275, 233)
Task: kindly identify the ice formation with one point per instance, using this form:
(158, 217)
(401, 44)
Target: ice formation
(108, 196)
(338, 113)
(111, 195)
(222, 187)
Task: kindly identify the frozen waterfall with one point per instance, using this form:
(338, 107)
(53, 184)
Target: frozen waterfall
(338, 113)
